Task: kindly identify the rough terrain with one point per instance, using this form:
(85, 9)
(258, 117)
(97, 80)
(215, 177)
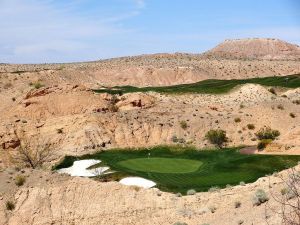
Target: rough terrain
(54, 105)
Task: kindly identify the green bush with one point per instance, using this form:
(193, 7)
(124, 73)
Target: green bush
(260, 197)
(262, 144)
(216, 137)
(10, 205)
(267, 133)
(20, 180)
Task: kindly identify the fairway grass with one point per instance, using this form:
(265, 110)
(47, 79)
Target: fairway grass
(211, 86)
(161, 165)
(178, 169)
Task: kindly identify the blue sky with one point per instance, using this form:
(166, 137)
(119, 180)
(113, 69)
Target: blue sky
(39, 31)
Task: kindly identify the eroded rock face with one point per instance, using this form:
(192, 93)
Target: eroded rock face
(59, 199)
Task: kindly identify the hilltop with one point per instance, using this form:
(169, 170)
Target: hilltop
(256, 48)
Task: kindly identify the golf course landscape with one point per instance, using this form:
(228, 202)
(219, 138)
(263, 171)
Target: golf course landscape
(178, 169)
(211, 86)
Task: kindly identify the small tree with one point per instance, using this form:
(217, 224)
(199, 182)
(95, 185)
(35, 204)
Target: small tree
(33, 156)
(288, 199)
(216, 137)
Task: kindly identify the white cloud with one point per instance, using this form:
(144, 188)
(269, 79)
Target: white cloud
(49, 30)
(140, 3)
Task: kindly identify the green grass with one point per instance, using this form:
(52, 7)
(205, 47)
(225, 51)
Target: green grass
(161, 165)
(178, 169)
(211, 86)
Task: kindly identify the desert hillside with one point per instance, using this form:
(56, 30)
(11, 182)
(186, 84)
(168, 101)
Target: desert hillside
(257, 48)
(54, 109)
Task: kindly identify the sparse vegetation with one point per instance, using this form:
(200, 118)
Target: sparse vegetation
(288, 199)
(191, 192)
(180, 223)
(214, 189)
(260, 197)
(20, 180)
(183, 124)
(267, 133)
(216, 137)
(237, 120)
(292, 115)
(251, 126)
(10, 205)
(262, 144)
(33, 156)
(37, 85)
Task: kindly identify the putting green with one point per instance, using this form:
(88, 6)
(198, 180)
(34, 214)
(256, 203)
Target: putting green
(161, 165)
(178, 169)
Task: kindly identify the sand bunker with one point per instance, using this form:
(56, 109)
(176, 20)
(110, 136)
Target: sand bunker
(138, 181)
(79, 169)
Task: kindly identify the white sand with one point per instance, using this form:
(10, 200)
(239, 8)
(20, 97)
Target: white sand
(137, 181)
(79, 169)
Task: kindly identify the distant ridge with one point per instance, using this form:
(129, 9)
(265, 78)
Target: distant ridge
(256, 48)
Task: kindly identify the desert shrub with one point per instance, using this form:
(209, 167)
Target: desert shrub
(183, 124)
(242, 106)
(280, 107)
(242, 183)
(297, 102)
(113, 108)
(267, 133)
(13, 99)
(240, 222)
(59, 131)
(216, 137)
(191, 192)
(214, 189)
(20, 180)
(272, 90)
(37, 85)
(10, 205)
(174, 139)
(262, 144)
(250, 126)
(178, 194)
(180, 223)
(292, 115)
(260, 197)
(237, 204)
(237, 120)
